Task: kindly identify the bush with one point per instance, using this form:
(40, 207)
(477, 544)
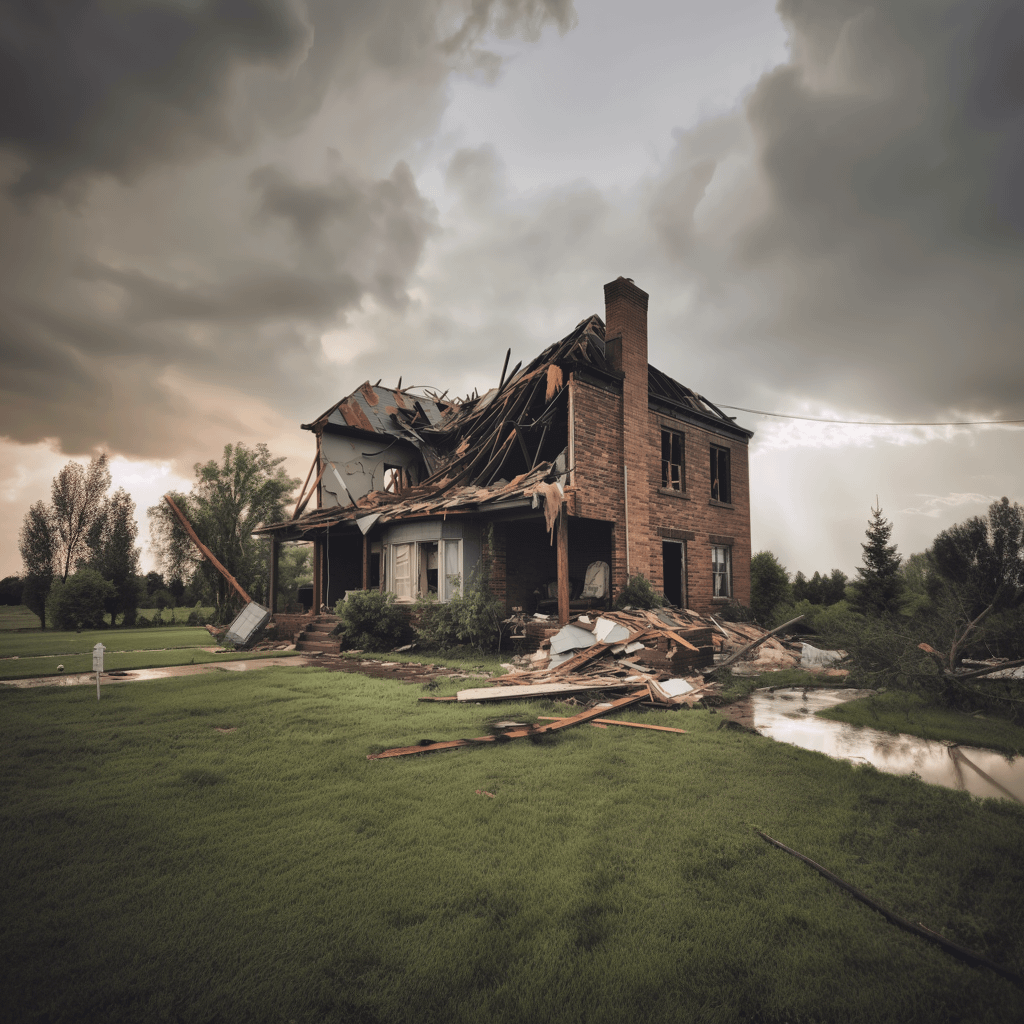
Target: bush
(79, 601)
(371, 620)
(473, 618)
(194, 618)
(141, 622)
(638, 593)
(735, 613)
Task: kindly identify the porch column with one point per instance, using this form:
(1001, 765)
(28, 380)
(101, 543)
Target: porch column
(366, 561)
(563, 566)
(275, 551)
(317, 576)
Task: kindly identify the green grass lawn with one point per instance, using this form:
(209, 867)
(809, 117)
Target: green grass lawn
(461, 660)
(17, 616)
(899, 711)
(52, 642)
(156, 869)
(25, 668)
(39, 654)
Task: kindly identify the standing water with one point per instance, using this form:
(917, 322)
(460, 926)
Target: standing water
(788, 716)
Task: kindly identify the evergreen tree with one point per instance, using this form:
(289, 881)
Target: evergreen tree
(879, 584)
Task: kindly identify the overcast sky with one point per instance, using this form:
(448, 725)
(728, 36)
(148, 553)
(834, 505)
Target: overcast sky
(218, 218)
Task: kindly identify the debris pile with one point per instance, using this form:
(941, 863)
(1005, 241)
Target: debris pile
(673, 652)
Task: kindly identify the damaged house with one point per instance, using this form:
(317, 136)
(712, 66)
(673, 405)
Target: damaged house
(581, 469)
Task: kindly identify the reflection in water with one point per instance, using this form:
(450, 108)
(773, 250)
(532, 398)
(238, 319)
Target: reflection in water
(788, 716)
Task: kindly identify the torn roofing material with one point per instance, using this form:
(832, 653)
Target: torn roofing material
(509, 443)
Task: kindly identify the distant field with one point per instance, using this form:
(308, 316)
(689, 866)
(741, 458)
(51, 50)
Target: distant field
(52, 642)
(38, 654)
(17, 617)
(25, 668)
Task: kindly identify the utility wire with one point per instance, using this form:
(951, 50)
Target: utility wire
(873, 423)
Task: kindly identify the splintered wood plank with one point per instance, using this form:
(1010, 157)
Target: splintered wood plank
(612, 721)
(538, 690)
(515, 734)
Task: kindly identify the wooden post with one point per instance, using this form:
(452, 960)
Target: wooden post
(366, 561)
(275, 552)
(187, 527)
(317, 576)
(563, 566)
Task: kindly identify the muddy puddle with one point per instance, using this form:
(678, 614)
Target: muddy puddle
(789, 716)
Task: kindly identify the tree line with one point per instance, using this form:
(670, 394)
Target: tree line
(81, 559)
(915, 621)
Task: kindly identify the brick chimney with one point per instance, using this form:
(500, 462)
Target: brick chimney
(626, 350)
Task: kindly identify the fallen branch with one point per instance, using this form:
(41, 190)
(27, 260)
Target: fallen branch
(958, 755)
(966, 955)
(756, 643)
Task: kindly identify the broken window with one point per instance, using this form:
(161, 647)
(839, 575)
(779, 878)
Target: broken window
(721, 571)
(673, 476)
(721, 479)
(392, 478)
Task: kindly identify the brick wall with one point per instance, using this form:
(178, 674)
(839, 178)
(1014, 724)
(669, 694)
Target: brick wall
(694, 512)
(610, 430)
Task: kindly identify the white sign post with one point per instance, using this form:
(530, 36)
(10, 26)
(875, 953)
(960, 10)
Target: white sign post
(97, 664)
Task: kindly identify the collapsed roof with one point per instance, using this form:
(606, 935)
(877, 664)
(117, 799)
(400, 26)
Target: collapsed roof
(506, 444)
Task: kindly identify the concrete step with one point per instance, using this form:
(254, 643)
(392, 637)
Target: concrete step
(321, 627)
(322, 646)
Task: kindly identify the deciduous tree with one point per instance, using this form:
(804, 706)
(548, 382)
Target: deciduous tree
(227, 502)
(769, 584)
(115, 555)
(36, 543)
(77, 499)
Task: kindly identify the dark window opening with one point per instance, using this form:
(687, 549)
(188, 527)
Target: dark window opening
(721, 478)
(673, 476)
(392, 478)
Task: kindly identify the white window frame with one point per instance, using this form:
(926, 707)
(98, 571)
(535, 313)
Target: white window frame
(406, 582)
(448, 585)
(721, 570)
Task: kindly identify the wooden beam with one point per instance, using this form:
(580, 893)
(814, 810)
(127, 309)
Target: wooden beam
(300, 508)
(563, 567)
(317, 576)
(366, 561)
(757, 643)
(312, 466)
(611, 721)
(515, 734)
(275, 552)
(187, 527)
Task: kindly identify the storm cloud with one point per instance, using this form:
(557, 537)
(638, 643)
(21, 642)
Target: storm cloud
(876, 230)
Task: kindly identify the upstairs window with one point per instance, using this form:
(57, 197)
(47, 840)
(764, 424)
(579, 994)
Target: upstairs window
(673, 476)
(721, 571)
(721, 477)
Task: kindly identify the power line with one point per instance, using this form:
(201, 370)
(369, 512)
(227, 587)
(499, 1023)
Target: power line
(873, 423)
